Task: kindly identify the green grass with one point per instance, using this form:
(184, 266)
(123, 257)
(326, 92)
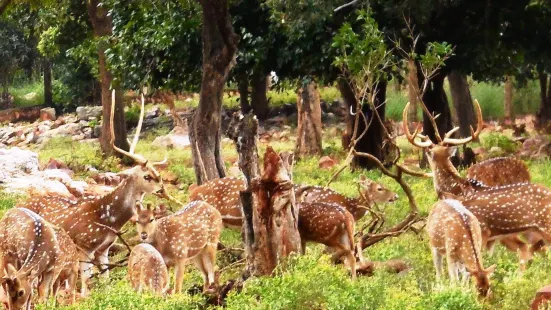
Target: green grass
(23, 94)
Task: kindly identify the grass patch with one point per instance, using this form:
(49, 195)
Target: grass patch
(28, 95)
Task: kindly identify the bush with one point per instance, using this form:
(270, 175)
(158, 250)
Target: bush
(502, 141)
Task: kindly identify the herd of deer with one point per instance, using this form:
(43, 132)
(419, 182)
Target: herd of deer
(48, 242)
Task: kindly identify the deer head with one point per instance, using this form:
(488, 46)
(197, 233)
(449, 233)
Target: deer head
(439, 154)
(144, 176)
(481, 279)
(145, 220)
(375, 192)
(18, 286)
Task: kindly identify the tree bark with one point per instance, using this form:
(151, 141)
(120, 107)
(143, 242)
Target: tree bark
(350, 102)
(270, 228)
(508, 102)
(48, 97)
(102, 27)
(413, 93)
(243, 87)
(544, 114)
(436, 102)
(463, 102)
(259, 96)
(219, 49)
(309, 130)
(372, 141)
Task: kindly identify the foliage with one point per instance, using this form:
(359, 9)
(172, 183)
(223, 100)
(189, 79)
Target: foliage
(502, 141)
(157, 43)
(14, 50)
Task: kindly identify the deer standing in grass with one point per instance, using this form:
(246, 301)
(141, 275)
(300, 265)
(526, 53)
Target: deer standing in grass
(455, 232)
(325, 216)
(189, 235)
(94, 221)
(29, 249)
(476, 195)
(147, 269)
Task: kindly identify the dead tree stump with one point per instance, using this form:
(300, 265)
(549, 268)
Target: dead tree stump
(270, 226)
(309, 121)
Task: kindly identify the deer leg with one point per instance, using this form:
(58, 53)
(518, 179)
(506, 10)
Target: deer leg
(208, 258)
(45, 286)
(85, 274)
(179, 276)
(351, 262)
(437, 260)
(515, 244)
(104, 261)
(198, 261)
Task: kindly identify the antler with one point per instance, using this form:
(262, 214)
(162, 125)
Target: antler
(141, 160)
(411, 138)
(474, 134)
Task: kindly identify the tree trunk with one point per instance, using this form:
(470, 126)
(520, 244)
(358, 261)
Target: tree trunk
(350, 102)
(243, 87)
(463, 102)
(270, 226)
(259, 98)
(508, 103)
(413, 93)
(48, 97)
(544, 114)
(372, 141)
(309, 133)
(436, 102)
(219, 48)
(101, 24)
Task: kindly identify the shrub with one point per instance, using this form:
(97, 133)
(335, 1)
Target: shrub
(502, 141)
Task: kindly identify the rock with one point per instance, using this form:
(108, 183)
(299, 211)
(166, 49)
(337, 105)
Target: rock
(87, 132)
(177, 139)
(153, 113)
(70, 129)
(326, 162)
(43, 128)
(84, 113)
(71, 118)
(58, 122)
(31, 138)
(97, 131)
(78, 137)
(83, 123)
(47, 114)
(535, 147)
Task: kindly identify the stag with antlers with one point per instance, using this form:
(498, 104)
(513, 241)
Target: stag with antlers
(94, 222)
(449, 183)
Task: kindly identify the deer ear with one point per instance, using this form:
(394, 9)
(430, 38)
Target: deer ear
(490, 270)
(11, 271)
(148, 207)
(452, 150)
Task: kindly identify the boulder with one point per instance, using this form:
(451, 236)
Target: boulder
(327, 163)
(177, 139)
(84, 113)
(47, 114)
(69, 129)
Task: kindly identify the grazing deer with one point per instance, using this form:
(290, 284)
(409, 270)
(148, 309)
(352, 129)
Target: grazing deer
(455, 232)
(189, 235)
(29, 249)
(329, 224)
(370, 192)
(147, 269)
(223, 194)
(94, 221)
(447, 180)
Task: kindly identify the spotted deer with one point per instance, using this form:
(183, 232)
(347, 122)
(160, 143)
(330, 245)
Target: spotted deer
(447, 181)
(455, 232)
(189, 235)
(147, 269)
(29, 249)
(223, 194)
(499, 171)
(92, 222)
(331, 225)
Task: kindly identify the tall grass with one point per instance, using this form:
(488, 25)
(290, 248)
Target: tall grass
(28, 95)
